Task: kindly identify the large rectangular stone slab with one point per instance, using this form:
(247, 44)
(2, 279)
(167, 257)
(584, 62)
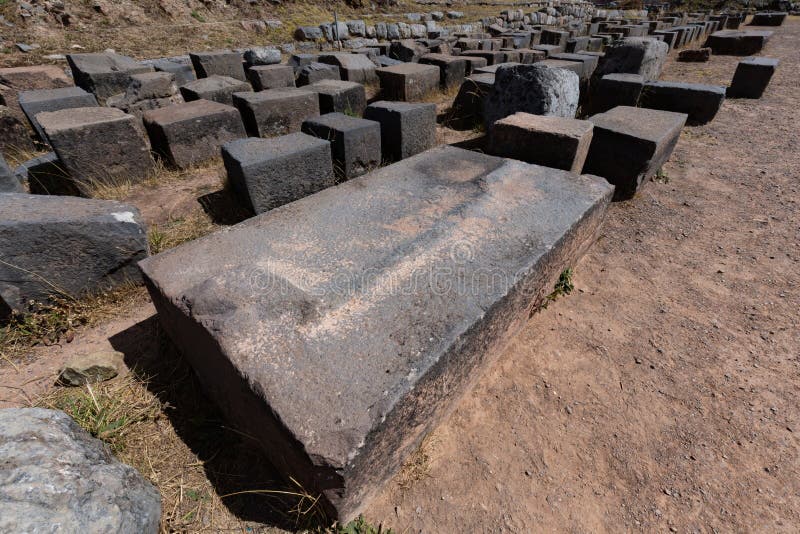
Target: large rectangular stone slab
(452, 69)
(34, 102)
(264, 77)
(276, 111)
(340, 96)
(339, 353)
(215, 88)
(614, 90)
(355, 142)
(218, 63)
(752, 77)
(14, 80)
(408, 81)
(104, 74)
(700, 102)
(406, 129)
(737, 43)
(352, 67)
(630, 144)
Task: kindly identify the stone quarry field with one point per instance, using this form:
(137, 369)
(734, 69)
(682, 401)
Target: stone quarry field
(661, 394)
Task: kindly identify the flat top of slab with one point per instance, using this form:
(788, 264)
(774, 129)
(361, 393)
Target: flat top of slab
(736, 34)
(541, 123)
(40, 209)
(559, 64)
(276, 66)
(408, 68)
(333, 86)
(66, 119)
(763, 61)
(650, 124)
(442, 58)
(333, 331)
(342, 122)
(39, 95)
(214, 83)
(256, 149)
(627, 78)
(481, 78)
(214, 53)
(718, 89)
(394, 105)
(187, 111)
(493, 68)
(280, 93)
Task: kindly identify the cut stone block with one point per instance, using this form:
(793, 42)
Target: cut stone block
(187, 134)
(180, 67)
(550, 141)
(98, 145)
(737, 43)
(35, 102)
(225, 63)
(588, 62)
(340, 354)
(452, 69)
(491, 57)
(492, 69)
(406, 129)
(104, 74)
(298, 61)
(215, 88)
(407, 51)
(276, 111)
(528, 56)
(555, 37)
(699, 101)
(752, 77)
(352, 67)
(469, 106)
(261, 55)
(53, 245)
(614, 90)
(766, 18)
(9, 183)
(629, 145)
(14, 80)
(268, 173)
(340, 96)
(150, 90)
(535, 89)
(15, 135)
(409, 81)
(316, 72)
(355, 143)
(264, 77)
(548, 49)
(634, 55)
(46, 175)
(473, 64)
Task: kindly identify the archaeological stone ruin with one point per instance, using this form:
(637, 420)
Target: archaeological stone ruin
(412, 189)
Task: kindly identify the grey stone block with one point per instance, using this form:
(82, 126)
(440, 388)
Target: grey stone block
(407, 51)
(263, 77)
(104, 74)
(452, 69)
(535, 89)
(215, 88)
(767, 18)
(55, 473)
(308, 33)
(35, 102)
(352, 67)
(349, 309)
(634, 55)
(276, 111)
(98, 145)
(180, 67)
(191, 133)
(268, 173)
(699, 101)
(473, 64)
(316, 72)
(491, 57)
(614, 90)
(629, 145)
(261, 55)
(548, 49)
(340, 96)
(9, 183)
(752, 77)
(218, 63)
(695, 55)
(355, 143)
(737, 43)
(588, 62)
(408, 81)
(65, 246)
(468, 109)
(298, 61)
(528, 56)
(46, 175)
(406, 129)
(555, 142)
(492, 69)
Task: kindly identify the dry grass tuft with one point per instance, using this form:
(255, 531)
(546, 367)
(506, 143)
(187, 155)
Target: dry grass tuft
(179, 230)
(418, 465)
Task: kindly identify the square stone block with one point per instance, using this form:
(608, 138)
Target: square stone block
(216, 88)
(629, 145)
(355, 143)
(548, 49)
(491, 56)
(468, 107)
(473, 63)
(264, 77)
(316, 72)
(180, 67)
(191, 133)
(700, 102)
(268, 173)
(218, 63)
(406, 129)
(408, 81)
(588, 61)
(557, 142)
(104, 74)
(276, 111)
(528, 56)
(614, 90)
(340, 96)
(97, 145)
(35, 102)
(752, 77)
(767, 18)
(452, 69)
(737, 43)
(352, 67)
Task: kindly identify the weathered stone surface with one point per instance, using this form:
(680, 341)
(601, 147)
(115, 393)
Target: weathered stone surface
(180, 67)
(104, 74)
(91, 368)
(46, 175)
(298, 61)
(752, 77)
(316, 72)
(737, 43)
(15, 135)
(634, 55)
(218, 63)
(56, 477)
(35, 102)
(614, 90)
(699, 101)
(548, 49)
(555, 142)
(535, 89)
(215, 88)
(276, 111)
(630, 144)
(340, 96)
(352, 67)
(528, 56)
(491, 57)
(261, 55)
(150, 90)
(98, 145)
(308, 33)
(268, 173)
(355, 143)
(9, 183)
(190, 133)
(54, 245)
(407, 50)
(695, 55)
(264, 77)
(468, 109)
(408, 81)
(406, 129)
(767, 18)
(473, 64)
(14, 80)
(452, 69)
(492, 69)
(294, 342)
(588, 62)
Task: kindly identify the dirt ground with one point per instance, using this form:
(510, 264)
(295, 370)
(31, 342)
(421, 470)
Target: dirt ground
(661, 395)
